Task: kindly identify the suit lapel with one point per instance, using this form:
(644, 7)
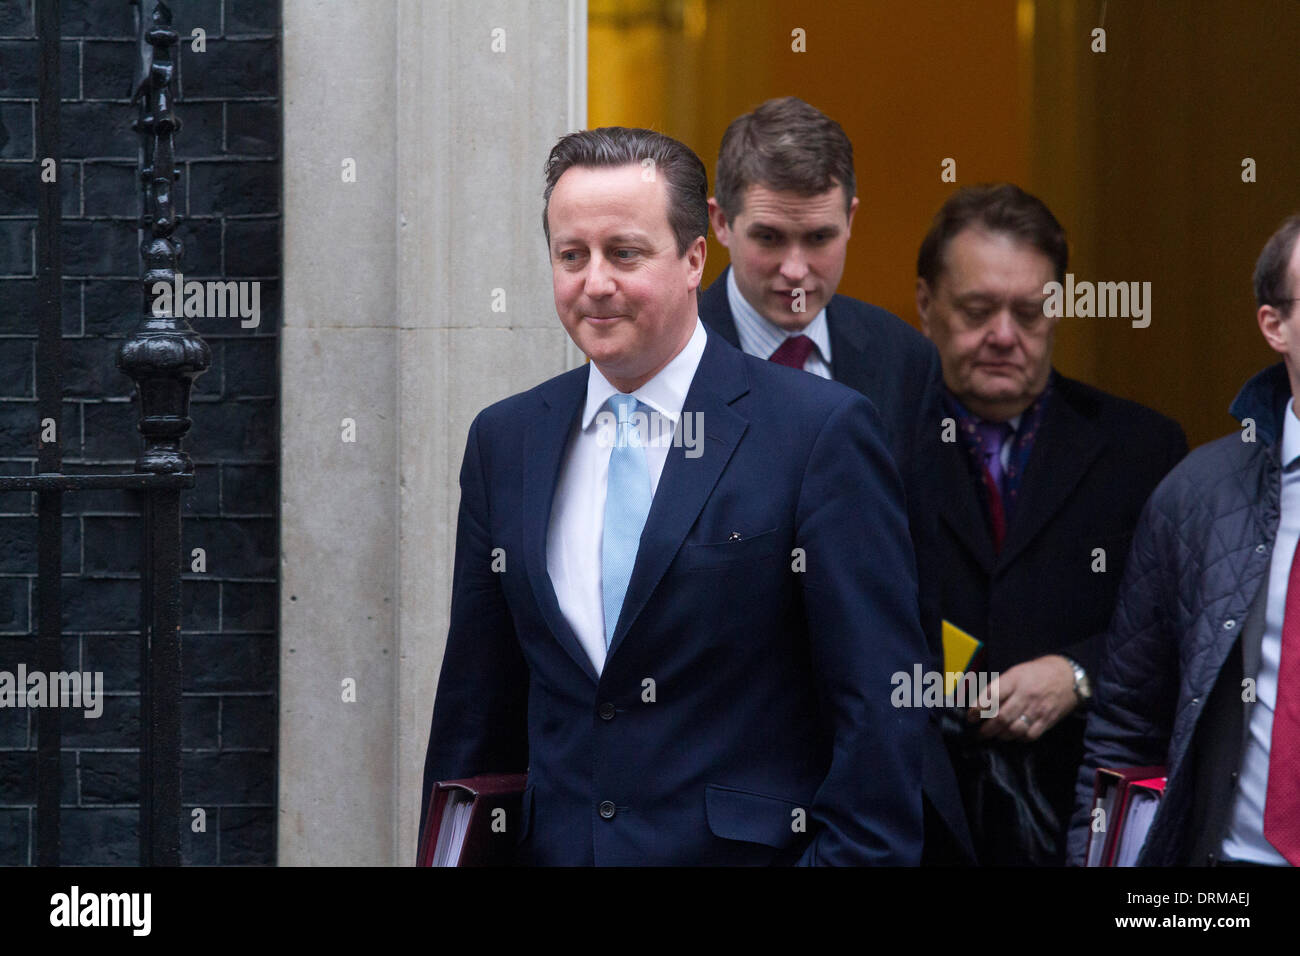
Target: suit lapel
(851, 358)
(1066, 447)
(960, 507)
(544, 444)
(686, 483)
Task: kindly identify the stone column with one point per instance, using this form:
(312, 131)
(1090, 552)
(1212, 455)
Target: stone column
(416, 291)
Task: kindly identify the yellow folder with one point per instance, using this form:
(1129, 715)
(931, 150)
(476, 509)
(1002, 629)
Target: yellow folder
(959, 649)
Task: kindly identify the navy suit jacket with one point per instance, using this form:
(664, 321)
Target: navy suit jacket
(743, 714)
(884, 358)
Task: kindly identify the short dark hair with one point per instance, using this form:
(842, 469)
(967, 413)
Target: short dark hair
(684, 174)
(997, 208)
(1271, 286)
(784, 145)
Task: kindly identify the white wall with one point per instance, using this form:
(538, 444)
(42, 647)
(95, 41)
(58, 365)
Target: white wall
(388, 292)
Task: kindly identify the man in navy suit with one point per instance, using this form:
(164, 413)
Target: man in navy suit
(784, 209)
(689, 643)
(785, 203)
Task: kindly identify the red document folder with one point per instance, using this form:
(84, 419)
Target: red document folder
(473, 822)
(1111, 793)
(1141, 801)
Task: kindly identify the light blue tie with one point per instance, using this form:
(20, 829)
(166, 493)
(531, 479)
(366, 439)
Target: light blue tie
(627, 502)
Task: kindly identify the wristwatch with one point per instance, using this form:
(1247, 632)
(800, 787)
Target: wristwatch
(1082, 686)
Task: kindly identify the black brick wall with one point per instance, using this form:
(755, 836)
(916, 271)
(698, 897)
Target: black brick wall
(229, 199)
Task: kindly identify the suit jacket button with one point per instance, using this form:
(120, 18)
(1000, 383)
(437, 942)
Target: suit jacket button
(607, 809)
(607, 711)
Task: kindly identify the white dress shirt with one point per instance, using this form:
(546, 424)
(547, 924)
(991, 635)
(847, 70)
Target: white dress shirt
(1245, 839)
(760, 338)
(577, 525)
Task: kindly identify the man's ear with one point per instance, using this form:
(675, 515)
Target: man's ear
(1277, 331)
(718, 219)
(695, 254)
(853, 207)
(923, 300)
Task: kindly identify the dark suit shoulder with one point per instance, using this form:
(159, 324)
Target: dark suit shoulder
(798, 394)
(713, 300)
(715, 310)
(1119, 415)
(880, 321)
(883, 327)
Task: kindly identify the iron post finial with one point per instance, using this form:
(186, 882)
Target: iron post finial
(164, 354)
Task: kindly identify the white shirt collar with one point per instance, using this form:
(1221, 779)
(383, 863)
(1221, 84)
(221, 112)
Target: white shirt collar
(1290, 434)
(760, 337)
(665, 393)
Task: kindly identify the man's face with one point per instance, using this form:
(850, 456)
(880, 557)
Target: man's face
(624, 295)
(986, 318)
(782, 241)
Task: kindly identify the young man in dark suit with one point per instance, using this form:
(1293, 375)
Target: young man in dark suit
(690, 646)
(1042, 482)
(786, 198)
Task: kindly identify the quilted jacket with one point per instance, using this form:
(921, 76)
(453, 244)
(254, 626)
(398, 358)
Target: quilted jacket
(1200, 555)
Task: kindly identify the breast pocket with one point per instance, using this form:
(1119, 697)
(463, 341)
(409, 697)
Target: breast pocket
(729, 553)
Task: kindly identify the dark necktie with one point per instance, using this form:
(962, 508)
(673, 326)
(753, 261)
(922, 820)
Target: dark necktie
(993, 435)
(1282, 799)
(793, 351)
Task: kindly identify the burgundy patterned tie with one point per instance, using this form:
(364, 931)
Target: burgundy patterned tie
(993, 435)
(1282, 799)
(793, 351)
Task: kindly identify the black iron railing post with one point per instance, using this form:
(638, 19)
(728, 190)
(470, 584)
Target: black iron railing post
(49, 456)
(164, 356)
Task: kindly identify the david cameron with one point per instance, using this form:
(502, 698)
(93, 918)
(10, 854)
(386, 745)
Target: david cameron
(688, 645)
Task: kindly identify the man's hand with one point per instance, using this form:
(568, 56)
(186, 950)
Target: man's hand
(1031, 698)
